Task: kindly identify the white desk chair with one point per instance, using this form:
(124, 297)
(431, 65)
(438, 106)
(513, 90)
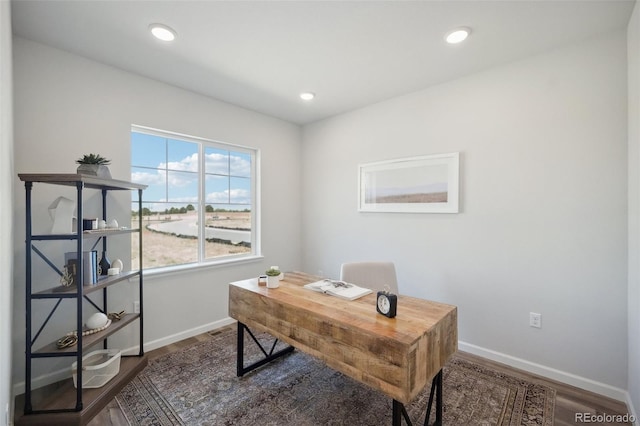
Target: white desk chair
(373, 275)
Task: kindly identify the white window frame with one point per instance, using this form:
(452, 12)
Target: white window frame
(256, 246)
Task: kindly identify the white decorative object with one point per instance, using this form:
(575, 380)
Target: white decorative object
(112, 224)
(98, 170)
(102, 224)
(273, 281)
(97, 320)
(117, 264)
(113, 271)
(61, 212)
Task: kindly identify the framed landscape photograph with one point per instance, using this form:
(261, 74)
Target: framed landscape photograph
(425, 184)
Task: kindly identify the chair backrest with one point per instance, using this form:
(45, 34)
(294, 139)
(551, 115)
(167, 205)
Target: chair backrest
(373, 275)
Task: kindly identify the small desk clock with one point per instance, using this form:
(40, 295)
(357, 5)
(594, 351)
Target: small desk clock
(387, 304)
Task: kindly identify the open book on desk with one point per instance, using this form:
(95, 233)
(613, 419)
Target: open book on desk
(338, 288)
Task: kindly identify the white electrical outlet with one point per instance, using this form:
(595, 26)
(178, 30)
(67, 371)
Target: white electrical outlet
(535, 320)
(136, 307)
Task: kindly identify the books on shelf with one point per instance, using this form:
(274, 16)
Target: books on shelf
(340, 289)
(89, 266)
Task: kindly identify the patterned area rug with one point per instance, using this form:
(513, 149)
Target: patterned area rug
(198, 386)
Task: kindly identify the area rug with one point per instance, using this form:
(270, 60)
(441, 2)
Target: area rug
(197, 386)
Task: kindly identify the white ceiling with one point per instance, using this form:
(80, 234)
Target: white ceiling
(261, 54)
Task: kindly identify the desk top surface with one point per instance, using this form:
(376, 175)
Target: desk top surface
(414, 317)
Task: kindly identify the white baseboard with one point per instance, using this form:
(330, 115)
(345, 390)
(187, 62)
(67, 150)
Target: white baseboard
(167, 340)
(548, 372)
(62, 374)
(632, 410)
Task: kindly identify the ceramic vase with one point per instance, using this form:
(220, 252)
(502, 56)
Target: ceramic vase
(273, 282)
(104, 264)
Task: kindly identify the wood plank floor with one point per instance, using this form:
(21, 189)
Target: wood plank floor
(569, 400)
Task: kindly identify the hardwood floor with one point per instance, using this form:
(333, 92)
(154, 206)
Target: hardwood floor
(569, 400)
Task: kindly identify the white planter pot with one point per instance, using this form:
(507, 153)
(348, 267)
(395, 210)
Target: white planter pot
(273, 282)
(98, 170)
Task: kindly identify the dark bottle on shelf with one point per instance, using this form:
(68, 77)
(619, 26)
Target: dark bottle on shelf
(105, 264)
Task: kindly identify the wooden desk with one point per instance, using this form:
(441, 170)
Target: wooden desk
(397, 356)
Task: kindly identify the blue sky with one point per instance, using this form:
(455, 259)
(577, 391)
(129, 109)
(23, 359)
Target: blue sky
(170, 168)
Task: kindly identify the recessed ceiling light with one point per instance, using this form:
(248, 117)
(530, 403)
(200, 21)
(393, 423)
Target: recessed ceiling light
(307, 96)
(458, 35)
(162, 32)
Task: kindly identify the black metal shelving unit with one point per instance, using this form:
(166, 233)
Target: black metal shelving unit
(60, 407)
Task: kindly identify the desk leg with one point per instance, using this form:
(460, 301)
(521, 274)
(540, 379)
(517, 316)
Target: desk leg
(398, 413)
(270, 356)
(436, 386)
(399, 410)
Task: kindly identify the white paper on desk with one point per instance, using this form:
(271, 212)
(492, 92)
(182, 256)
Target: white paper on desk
(339, 289)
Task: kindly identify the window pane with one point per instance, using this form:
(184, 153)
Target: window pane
(228, 232)
(240, 190)
(148, 150)
(216, 189)
(182, 187)
(182, 156)
(156, 179)
(216, 161)
(240, 164)
(164, 226)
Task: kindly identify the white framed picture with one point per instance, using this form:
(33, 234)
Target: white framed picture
(424, 184)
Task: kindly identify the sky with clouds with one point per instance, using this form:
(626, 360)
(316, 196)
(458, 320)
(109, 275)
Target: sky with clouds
(170, 169)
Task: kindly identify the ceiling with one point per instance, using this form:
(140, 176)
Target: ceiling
(261, 54)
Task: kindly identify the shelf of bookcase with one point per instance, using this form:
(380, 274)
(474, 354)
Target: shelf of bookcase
(87, 341)
(61, 292)
(94, 400)
(85, 235)
(72, 179)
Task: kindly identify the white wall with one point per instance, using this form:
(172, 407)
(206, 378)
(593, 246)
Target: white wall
(66, 106)
(633, 74)
(6, 214)
(543, 221)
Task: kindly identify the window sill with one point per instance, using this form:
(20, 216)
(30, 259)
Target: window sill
(171, 270)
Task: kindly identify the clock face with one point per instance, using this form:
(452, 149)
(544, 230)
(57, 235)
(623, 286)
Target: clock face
(387, 304)
(383, 304)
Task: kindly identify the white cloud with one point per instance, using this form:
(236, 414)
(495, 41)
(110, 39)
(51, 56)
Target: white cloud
(187, 164)
(240, 166)
(238, 196)
(217, 163)
(147, 178)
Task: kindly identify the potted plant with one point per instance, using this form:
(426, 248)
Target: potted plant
(273, 277)
(94, 165)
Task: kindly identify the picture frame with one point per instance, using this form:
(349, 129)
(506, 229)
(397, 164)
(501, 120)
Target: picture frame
(422, 184)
